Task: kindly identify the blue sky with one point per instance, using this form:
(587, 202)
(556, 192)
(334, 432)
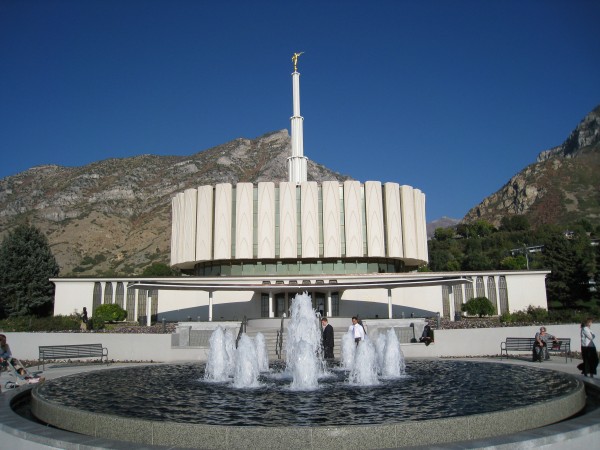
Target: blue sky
(451, 97)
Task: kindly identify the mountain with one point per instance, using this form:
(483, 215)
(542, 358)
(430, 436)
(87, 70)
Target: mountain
(114, 216)
(442, 222)
(561, 187)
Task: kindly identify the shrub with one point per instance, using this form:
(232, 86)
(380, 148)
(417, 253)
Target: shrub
(479, 306)
(32, 323)
(108, 313)
(537, 314)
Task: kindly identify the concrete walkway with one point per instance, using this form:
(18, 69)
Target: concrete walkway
(19, 433)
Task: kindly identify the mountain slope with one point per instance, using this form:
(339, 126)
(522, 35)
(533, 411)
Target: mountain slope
(562, 187)
(114, 216)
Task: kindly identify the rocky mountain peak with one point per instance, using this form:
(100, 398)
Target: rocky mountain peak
(114, 216)
(585, 136)
(561, 187)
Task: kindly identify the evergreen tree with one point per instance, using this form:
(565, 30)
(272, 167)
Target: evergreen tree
(572, 264)
(26, 264)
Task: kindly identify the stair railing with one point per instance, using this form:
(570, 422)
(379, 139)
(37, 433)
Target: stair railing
(242, 330)
(279, 340)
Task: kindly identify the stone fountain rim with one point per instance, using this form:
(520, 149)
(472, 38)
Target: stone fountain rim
(407, 433)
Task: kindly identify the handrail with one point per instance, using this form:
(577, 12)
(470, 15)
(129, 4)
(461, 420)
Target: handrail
(279, 341)
(242, 330)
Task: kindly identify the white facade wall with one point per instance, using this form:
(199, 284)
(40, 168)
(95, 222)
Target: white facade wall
(210, 224)
(393, 220)
(190, 203)
(526, 290)
(222, 243)
(331, 219)
(181, 226)
(244, 220)
(288, 231)
(374, 217)
(409, 232)
(70, 297)
(353, 218)
(204, 222)
(175, 221)
(266, 220)
(420, 225)
(310, 219)
(523, 288)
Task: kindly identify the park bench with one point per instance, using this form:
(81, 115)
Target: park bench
(51, 352)
(521, 344)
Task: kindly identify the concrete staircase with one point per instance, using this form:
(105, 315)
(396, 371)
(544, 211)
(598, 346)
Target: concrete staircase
(270, 335)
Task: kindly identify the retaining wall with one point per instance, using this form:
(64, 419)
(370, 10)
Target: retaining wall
(157, 347)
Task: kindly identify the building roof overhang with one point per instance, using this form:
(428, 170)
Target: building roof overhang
(298, 284)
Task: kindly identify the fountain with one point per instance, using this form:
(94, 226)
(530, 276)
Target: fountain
(373, 398)
(305, 364)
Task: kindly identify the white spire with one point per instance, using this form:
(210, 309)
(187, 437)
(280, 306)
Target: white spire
(297, 162)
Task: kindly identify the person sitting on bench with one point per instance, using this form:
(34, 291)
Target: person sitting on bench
(427, 335)
(540, 346)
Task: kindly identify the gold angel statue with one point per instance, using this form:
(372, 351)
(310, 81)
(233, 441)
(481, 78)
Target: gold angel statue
(295, 60)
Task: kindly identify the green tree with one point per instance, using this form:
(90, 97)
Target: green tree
(479, 306)
(514, 223)
(158, 270)
(518, 262)
(26, 264)
(109, 312)
(572, 263)
(477, 260)
(442, 234)
(482, 228)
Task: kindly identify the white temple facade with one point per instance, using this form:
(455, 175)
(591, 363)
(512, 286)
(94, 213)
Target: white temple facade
(248, 249)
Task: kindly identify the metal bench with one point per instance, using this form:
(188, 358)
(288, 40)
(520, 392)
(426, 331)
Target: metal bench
(51, 352)
(521, 344)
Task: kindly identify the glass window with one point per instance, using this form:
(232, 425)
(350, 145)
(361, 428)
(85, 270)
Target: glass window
(154, 305)
(445, 302)
(458, 298)
(264, 305)
(108, 293)
(335, 304)
(491, 288)
(503, 293)
(97, 298)
(130, 305)
(480, 287)
(142, 304)
(469, 292)
(119, 294)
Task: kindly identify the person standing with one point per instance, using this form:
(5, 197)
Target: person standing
(357, 330)
(589, 353)
(327, 338)
(84, 319)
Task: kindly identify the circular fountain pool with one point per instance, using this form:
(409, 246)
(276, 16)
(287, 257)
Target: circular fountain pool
(434, 389)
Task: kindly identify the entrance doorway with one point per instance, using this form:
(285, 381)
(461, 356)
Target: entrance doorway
(319, 304)
(281, 306)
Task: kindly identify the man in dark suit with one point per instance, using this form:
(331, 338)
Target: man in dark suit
(327, 339)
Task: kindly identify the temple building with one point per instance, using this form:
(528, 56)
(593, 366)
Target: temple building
(247, 249)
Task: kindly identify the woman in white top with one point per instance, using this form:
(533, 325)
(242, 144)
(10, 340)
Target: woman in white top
(589, 353)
